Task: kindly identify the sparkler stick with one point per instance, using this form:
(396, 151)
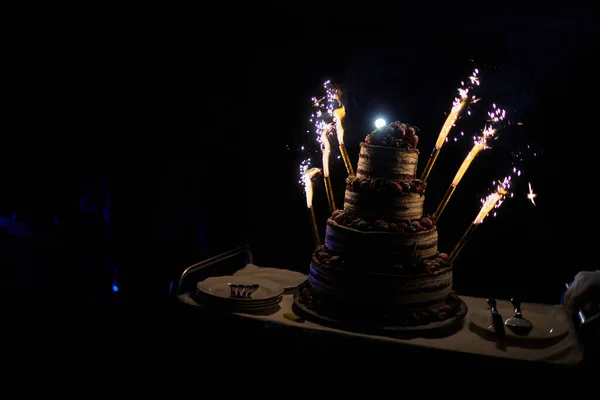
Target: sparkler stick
(326, 149)
(308, 188)
(480, 144)
(459, 246)
(315, 230)
(492, 201)
(457, 106)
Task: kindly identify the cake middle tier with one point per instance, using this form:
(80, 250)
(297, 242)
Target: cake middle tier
(387, 162)
(382, 205)
(392, 246)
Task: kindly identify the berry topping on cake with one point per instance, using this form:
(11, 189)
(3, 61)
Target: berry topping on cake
(396, 134)
(385, 186)
(426, 222)
(350, 220)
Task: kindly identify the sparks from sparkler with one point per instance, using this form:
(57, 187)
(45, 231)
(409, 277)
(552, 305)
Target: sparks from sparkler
(464, 99)
(523, 156)
(502, 191)
(323, 118)
(531, 195)
(492, 201)
(481, 142)
(326, 120)
(325, 107)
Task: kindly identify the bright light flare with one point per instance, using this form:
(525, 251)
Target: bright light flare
(531, 195)
(379, 123)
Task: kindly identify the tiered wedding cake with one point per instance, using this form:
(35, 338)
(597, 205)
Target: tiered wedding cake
(380, 260)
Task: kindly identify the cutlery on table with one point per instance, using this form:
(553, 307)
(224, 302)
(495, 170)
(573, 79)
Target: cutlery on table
(252, 289)
(518, 324)
(496, 317)
(242, 291)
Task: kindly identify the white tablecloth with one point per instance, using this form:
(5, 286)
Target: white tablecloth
(467, 340)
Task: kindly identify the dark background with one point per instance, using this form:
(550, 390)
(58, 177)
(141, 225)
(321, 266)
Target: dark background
(157, 143)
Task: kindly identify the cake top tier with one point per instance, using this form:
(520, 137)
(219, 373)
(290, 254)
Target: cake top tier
(397, 135)
(385, 162)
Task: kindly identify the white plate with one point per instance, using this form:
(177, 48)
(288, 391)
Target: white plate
(235, 301)
(209, 302)
(219, 288)
(548, 322)
(231, 303)
(286, 278)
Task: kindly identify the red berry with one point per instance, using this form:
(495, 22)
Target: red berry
(426, 222)
(446, 308)
(397, 187)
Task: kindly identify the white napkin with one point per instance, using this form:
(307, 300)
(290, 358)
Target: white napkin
(285, 277)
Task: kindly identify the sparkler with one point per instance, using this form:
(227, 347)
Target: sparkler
(492, 201)
(326, 111)
(307, 174)
(326, 149)
(339, 114)
(463, 99)
(481, 143)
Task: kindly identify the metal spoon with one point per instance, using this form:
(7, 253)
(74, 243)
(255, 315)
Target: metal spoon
(518, 324)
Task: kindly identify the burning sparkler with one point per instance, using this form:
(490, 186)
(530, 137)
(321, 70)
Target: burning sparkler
(326, 149)
(307, 174)
(492, 201)
(464, 98)
(339, 114)
(329, 117)
(481, 143)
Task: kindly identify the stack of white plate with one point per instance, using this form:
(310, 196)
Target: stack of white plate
(290, 280)
(220, 292)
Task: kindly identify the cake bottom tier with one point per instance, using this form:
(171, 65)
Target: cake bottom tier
(379, 289)
(406, 299)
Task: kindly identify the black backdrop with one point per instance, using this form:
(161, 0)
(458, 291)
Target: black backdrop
(191, 143)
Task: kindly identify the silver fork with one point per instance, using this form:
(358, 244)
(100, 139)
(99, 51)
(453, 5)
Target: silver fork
(242, 291)
(233, 290)
(253, 288)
